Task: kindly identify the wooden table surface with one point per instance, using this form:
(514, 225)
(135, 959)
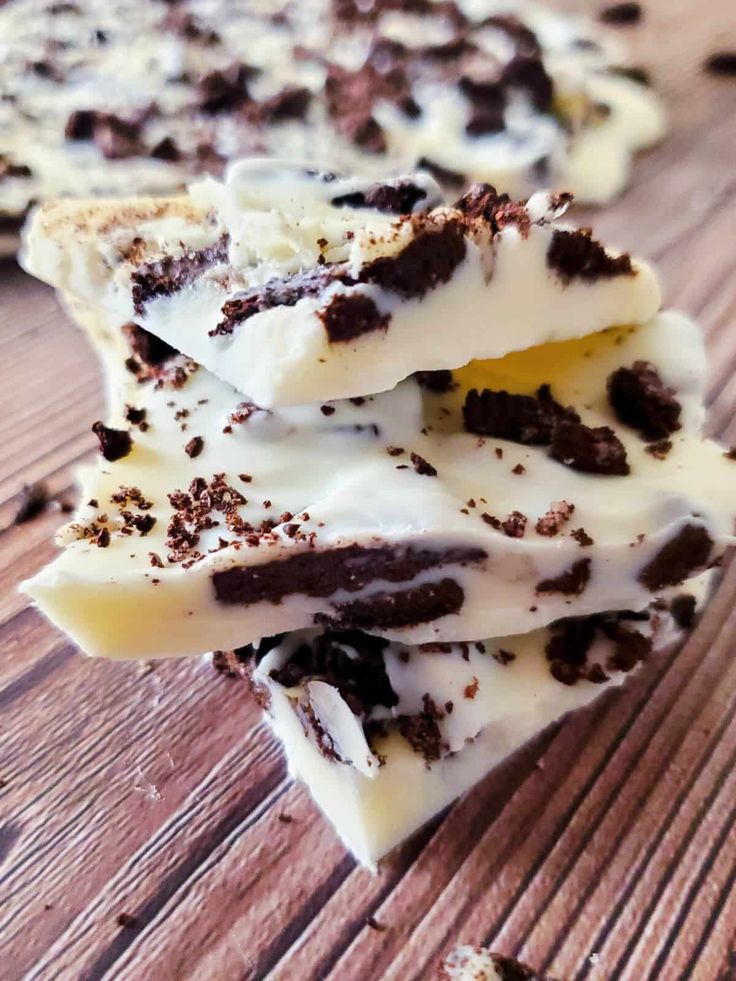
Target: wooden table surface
(605, 850)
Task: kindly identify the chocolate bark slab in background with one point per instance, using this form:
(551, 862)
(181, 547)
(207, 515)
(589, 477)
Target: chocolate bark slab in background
(126, 98)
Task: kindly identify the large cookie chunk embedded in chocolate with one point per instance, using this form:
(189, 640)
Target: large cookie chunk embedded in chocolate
(683, 555)
(589, 449)
(348, 317)
(528, 419)
(321, 574)
(360, 676)
(577, 255)
(641, 400)
(429, 259)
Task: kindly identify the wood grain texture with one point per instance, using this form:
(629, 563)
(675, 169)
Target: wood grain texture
(606, 849)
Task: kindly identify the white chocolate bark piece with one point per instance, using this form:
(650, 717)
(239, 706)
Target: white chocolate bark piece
(119, 97)
(455, 712)
(295, 286)
(466, 963)
(383, 514)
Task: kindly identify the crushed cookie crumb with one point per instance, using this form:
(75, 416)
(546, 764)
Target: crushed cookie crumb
(136, 417)
(471, 690)
(504, 657)
(421, 465)
(582, 537)
(244, 412)
(142, 523)
(422, 731)
(194, 447)
(130, 495)
(659, 450)
(101, 538)
(558, 514)
(514, 525)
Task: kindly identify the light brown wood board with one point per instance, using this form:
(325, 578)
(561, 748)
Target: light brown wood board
(604, 850)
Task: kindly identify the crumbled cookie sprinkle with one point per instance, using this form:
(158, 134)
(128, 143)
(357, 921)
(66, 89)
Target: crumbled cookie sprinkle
(590, 450)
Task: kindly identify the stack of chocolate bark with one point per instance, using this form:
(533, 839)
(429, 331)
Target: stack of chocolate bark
(429, 474)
